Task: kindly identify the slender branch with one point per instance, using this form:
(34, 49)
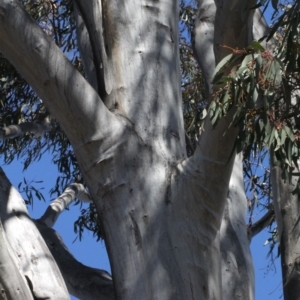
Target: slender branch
(85, 48)
(97, 31)
(37, 128)
(73, 191)
(261, 224)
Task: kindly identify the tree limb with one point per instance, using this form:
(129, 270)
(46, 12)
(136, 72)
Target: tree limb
(95, 46)
(37, 128)
(64, 90)
(33, 255)
(85, 48)
(82, 281)
(261, 224)
(73, 191)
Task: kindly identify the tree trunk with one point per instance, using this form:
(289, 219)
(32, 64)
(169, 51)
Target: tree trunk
(160, 203)
(287, 212)
(161, 212)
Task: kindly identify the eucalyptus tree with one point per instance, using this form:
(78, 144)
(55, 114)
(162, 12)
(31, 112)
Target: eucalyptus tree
(115, 115)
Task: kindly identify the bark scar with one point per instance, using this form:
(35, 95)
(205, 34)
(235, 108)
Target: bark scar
(137, 233)
(168, 178)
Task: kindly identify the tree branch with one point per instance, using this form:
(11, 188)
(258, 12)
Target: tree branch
(33, 255)
(92, 44)
(261, 224)
(73, 191)
(56, 81)
(37, 128)
(85, 49)
(215, 152)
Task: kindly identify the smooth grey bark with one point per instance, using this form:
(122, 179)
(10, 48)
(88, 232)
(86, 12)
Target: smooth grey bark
(84, 46)
(12, 284)
(95, 40)
(33, 256)
(237, 265)
(233, 26)
(51, 74)
(161, 212)
(203, 40)
(287, 211)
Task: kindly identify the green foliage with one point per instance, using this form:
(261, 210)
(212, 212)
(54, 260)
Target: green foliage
(262, 86)
(257, 181)
(88, 220)
(56, 20)
(29, 190)
(192, 83)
